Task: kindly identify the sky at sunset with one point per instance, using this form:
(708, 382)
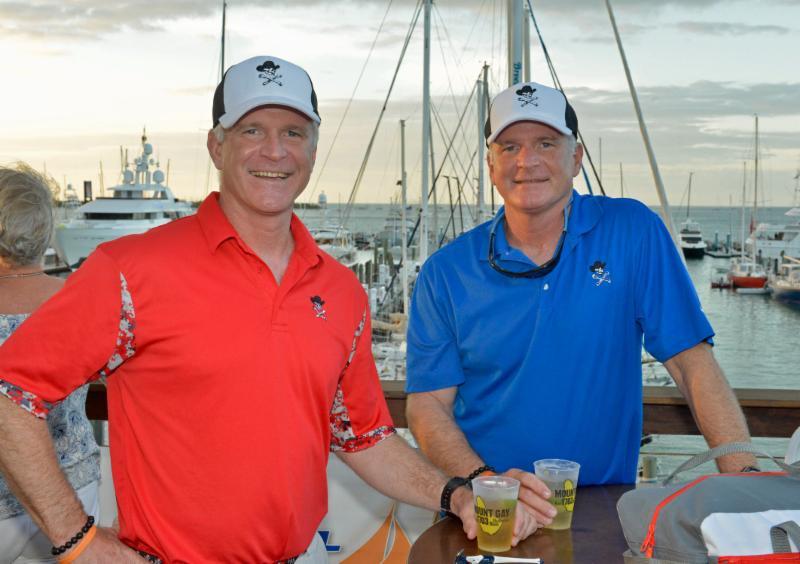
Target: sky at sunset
(81, 78)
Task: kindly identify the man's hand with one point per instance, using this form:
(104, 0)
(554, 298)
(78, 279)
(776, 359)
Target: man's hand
(533, 496)
(106, 547)
(461, 503)
(525, 522)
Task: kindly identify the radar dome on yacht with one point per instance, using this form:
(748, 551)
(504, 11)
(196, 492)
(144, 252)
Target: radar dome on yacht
(127, 176)
(158, 177)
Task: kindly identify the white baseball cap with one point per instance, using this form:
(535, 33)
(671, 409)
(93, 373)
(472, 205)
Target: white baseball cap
(261, 81)
(530, 101)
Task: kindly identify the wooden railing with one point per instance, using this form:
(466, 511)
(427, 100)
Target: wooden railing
(769, 413)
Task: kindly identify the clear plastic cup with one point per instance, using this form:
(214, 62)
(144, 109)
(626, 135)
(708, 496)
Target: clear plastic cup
(561, 477)
(495, 510)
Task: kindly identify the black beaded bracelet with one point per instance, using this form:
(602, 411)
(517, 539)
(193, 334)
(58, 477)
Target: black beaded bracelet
(56, 550)
(447, 493)
(478, 471)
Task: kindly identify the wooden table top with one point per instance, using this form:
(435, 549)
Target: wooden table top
(596, 535)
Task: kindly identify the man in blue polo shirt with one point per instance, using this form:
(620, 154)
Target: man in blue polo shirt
(525, 333)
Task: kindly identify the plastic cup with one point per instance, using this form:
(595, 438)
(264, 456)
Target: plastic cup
(495, 510)
(561, 477)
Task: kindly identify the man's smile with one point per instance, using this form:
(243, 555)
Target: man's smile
(269, 174)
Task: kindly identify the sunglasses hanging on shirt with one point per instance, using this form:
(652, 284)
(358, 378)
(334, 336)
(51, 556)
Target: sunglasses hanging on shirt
(537, 271)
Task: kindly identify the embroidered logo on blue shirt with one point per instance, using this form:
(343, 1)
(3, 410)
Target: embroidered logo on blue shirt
(600, 273)
(317, 303)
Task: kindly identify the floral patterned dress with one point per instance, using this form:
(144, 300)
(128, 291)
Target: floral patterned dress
(73, 439)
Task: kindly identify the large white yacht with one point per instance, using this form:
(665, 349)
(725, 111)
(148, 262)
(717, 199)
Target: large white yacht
(140, 202)
(775, 241)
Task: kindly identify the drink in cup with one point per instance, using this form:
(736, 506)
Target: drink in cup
(561, 477)
(495, 510)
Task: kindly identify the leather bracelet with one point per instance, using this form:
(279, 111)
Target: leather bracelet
(750, 469)
(56, 550)
(447, 493)
(80, 547)
(478, 471)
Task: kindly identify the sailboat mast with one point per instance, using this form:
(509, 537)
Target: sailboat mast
(755, 183)
(689, 197)
(482, 94)
(753, 220)
(662, 195)
(222, 52)
(515, 20)
(403, 204)
(600, 157)
(526, 44)
(744, 203)
(426, 127)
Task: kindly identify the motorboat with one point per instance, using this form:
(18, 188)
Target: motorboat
(142, 201)
(786, 284)
(720, 278)
(692, 243)
(337, 242)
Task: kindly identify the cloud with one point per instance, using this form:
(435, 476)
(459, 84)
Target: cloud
(193, 90)
(712, 99)
(89, 19)
(703, 126)
(726, 28)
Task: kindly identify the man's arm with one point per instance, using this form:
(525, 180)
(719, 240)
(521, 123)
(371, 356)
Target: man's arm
(28, 461)
(713, 404)
(396, 470)
(430, 418)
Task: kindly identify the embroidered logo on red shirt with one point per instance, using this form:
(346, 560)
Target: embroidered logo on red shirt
(317, 304)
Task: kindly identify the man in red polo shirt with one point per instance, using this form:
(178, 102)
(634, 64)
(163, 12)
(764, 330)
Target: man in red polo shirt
(236, 355)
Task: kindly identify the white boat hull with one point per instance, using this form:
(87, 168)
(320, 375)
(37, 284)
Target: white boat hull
(74, 241)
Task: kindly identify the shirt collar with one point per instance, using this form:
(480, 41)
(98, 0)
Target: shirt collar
(585, 214)
(215, 226)
(217, 229)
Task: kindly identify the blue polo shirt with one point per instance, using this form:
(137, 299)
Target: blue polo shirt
(551, 367)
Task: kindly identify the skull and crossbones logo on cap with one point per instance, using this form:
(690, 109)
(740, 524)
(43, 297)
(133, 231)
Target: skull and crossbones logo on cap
(526, 96)
(268, 70)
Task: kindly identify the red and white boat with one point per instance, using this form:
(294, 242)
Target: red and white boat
(746, 273)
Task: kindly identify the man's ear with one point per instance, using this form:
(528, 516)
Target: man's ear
(214, 149)
(576, 160)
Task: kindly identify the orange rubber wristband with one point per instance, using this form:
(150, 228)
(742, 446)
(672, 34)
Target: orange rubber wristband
(73, 554)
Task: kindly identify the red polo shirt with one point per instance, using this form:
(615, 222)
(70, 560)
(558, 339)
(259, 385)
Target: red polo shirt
(226, 391)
